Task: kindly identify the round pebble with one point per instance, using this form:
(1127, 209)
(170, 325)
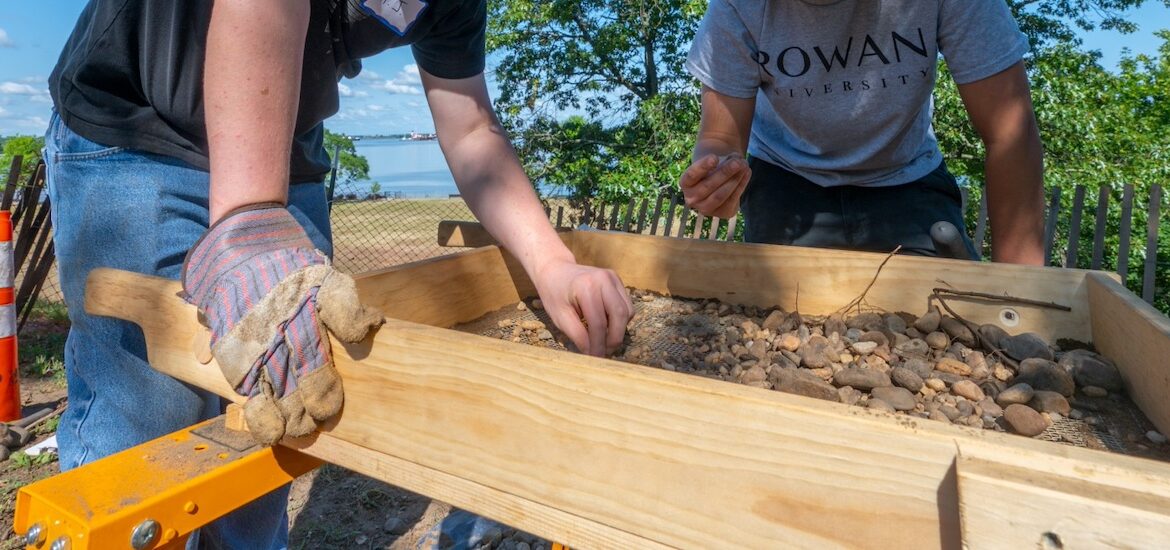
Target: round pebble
(1017, 394)
(1024, 420)
(968, 389)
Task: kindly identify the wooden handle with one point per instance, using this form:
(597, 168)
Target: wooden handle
(169, 324)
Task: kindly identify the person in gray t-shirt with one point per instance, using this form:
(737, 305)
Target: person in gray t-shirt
(832, 101)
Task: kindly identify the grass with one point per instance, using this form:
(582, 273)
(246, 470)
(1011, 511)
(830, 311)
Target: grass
(41, 345)
(373, 234)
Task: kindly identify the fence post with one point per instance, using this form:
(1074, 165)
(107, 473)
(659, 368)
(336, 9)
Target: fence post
(1151, 243)
(981, 222)
(1126, 229)
(333, 175)
(670, 214)
(1099, 230)
(657, 212)
(1050, 229)
(1074, 227)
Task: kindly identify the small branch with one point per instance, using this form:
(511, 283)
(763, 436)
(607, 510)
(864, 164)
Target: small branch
(1002, 298)
(861, 298)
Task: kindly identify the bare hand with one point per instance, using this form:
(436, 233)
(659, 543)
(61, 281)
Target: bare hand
(712, 185)
(590, 305)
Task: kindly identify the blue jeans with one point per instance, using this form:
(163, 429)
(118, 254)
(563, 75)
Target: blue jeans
(130, 210)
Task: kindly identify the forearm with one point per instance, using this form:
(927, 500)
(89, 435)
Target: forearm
(1015, 205)
(718, 145)
(251, 91)
(493, 184)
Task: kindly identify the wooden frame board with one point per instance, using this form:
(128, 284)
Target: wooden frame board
(597, 453)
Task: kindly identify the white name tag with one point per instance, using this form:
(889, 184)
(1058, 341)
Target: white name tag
(399, 15)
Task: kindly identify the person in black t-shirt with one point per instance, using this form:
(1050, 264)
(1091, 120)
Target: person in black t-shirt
(172, 116)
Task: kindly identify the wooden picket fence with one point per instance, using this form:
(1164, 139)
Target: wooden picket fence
(667, 215)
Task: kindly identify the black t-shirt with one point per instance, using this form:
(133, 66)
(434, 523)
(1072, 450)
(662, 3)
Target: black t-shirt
(131, 74)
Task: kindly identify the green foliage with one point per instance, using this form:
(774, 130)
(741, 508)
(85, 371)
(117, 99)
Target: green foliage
(28, 147)
(351, 165)
(23, 460)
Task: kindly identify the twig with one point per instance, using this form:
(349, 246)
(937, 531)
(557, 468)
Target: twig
(1002, 298)
(860, 299)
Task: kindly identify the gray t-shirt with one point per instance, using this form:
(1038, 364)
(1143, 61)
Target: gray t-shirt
(843, 89)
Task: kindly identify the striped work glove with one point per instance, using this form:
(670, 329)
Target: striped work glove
(268, 295)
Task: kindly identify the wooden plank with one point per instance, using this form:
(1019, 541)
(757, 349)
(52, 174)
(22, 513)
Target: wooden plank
(587, 214)
(731, 228)
(981, 223)
(1137, 338)
(613, 217)
(656, 214)
(599, 223)
(1036, 509)
(1148, 280)
(170, 325)
(679, 460)
(629, 217)
(825, 280)
(560, 216)
(698, 231)
(1074, 227)
(1100, 228)
(682, 222)
(1124, 232)
(670, 214)
(713, 232)
(1050, 225)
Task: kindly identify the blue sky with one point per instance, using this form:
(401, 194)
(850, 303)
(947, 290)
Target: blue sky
(385, 98)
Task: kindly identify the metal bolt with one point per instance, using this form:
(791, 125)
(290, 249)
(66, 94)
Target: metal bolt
(144, 534)
(62, 543)
(35, 535)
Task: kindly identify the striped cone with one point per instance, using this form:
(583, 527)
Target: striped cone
(9, 384)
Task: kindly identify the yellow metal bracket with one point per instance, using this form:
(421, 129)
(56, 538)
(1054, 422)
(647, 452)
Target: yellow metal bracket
(156, 494)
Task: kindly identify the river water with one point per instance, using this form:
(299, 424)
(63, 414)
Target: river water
(404, 169)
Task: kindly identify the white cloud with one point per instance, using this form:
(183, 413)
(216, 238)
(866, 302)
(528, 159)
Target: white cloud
(407, 81)
(344, 90)
(376, 108)
(15, 88)
(5, 41)
(3, 111)
(369, 75)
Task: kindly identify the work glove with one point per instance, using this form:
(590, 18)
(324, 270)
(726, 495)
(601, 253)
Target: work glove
(267, 296)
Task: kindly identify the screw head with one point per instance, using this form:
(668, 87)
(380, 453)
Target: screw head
(144, 534)
(35, 536)
(62, 543)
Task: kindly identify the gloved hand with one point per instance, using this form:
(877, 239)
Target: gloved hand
(268, 295)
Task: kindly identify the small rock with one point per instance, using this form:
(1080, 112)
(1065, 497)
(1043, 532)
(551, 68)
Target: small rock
(834, 324)
(361, 540)
(1026, 346)
(539, 305)
(990, 407)
(1049, 402)
(938, 415)
(899, 398)
(977, 361)
(865, 321)
(798, 382)
(1155, 437)
(894, 323)
(862, 379)
(965, 408)
(929, 322)
(957, 330)
(919, 366)
(992, 335)
(521, 306)
(1018, 394)
(863, 348)
(937, 340)
(877, 337)
(759, 349)
(1043, 374)
(523, 546)
(545, 335)
(1024, 420)
(953, 366)
(1002, 373)
(789, 342)
(906, 378)
(853, 334)
(879, 405)
(914, 347)
(752, 375)
(927, 393)
(530, 324)
(1095, 391)
(394, 526)
(935, 384)
(775, 320)
(817, 353)
(848, 395)
(947, 377)
(1090, 369)
(504, 323)
(968, 389)
(951, 413)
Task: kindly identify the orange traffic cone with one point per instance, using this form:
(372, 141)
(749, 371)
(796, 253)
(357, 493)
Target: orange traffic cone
(9, 384)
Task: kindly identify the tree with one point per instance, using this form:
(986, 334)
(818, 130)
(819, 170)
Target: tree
(351, 165)
(28, 147)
